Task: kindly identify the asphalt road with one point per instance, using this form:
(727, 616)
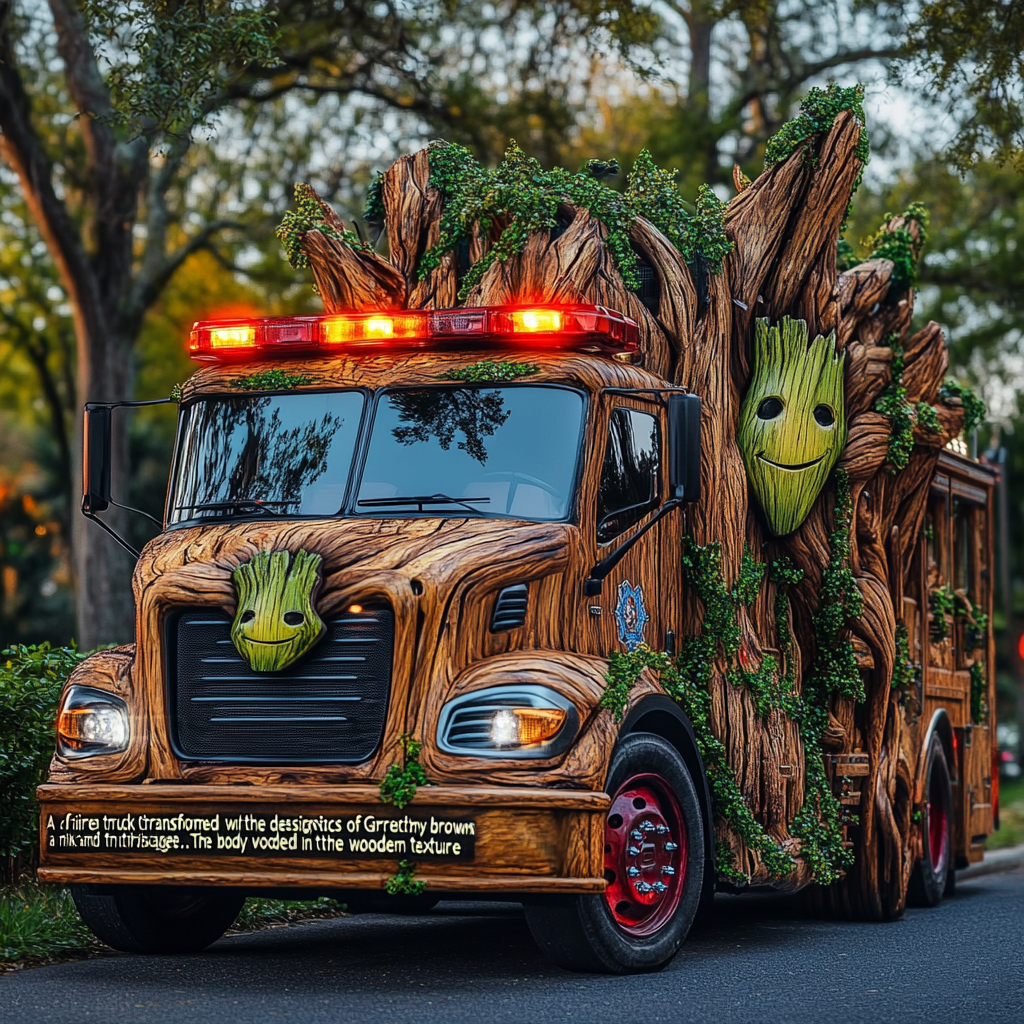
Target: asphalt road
(759, 961)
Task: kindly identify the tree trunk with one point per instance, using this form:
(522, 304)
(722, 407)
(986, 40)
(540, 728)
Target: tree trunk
(103, 569)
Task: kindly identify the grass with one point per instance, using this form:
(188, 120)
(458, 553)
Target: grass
(39, 923)
(1011, 815)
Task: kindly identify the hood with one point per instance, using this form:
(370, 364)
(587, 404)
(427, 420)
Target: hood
(360, 559)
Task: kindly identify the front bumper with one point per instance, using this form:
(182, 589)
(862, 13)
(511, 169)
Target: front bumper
(462, 838)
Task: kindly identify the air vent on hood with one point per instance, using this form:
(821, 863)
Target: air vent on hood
(510, 608)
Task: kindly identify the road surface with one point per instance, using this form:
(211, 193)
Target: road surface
(759, 961)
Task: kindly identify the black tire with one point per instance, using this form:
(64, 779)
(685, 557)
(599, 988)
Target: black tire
(157, 918)
(583, 933)
(933, 875)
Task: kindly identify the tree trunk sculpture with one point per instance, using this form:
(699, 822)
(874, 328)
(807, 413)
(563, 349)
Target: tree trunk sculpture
(699, 331)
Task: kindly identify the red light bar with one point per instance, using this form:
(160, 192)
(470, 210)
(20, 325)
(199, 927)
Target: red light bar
(584, 328)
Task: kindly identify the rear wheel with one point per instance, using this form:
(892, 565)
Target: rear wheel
(653, 863)
(157, 918)
(933, 876)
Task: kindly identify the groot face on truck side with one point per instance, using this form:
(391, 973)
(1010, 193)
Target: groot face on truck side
(275, 623)
(792, 425)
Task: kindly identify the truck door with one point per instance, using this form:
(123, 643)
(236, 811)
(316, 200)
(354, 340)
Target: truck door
(631, 486)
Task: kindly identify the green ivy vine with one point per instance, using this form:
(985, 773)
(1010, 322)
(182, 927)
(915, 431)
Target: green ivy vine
(487, 370)
(904, 672)
(974, 407)
(819, 824)
(835, 666)
(686, 680)
(520, 195)
(892, 402)
(399, 784)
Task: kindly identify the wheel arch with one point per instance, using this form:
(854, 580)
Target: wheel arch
(941, 726)
(662, 716)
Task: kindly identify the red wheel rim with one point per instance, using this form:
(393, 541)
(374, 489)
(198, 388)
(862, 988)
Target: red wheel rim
(645, 854)
(938, 824)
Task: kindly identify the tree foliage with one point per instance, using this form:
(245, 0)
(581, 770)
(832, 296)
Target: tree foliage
(972, 52)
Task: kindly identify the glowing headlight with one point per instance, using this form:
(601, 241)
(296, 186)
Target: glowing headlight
(91, 722)
(508, 721)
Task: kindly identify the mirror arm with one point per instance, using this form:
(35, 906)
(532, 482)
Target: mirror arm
(113, 533)
(592, 585)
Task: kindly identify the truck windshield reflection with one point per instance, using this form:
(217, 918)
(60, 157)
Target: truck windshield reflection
(507, 452)
(266, 454)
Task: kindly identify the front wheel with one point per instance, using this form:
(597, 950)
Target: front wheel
(653, 863)
(933, 876)
(157, 918)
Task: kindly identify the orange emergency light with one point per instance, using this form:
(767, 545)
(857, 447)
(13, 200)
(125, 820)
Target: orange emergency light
(581, 327)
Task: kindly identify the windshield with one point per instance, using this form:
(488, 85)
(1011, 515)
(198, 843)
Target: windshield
(265, 455)
(508, 451)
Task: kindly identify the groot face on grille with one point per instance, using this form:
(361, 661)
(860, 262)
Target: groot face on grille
(275, 623)
(792, 425)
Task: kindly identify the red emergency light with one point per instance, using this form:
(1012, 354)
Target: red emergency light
(580, 327)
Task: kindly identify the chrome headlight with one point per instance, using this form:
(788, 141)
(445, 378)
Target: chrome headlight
(508, 721)
(91, 722)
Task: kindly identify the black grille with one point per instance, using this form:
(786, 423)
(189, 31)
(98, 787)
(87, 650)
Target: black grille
(510, 608)
(329, 706)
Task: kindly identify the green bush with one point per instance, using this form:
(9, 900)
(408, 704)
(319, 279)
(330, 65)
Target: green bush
(31, 679)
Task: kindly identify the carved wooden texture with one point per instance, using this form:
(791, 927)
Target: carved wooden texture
(785, 226)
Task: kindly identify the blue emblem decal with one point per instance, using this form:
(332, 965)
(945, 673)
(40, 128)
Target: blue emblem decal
(631, 615)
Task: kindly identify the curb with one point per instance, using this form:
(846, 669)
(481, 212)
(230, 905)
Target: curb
(995, 860)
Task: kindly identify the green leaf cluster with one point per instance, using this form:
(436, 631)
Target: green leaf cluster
(979, 687)
(519, 197)
(928, 417)
(818, 111)
(399, 784)
(942, 602)
(270, 380)
(976, 632)
(488, 371)
(404, 883)
(309, 215)
(31, 680)
(973, 406)
(900, 246)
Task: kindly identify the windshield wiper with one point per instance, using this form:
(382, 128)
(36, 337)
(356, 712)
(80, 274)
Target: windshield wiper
(421, 500)
(242, 504)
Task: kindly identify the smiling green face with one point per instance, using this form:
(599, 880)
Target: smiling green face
(792, 425)
(275, 623)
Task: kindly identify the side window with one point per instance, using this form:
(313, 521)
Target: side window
(629, 477)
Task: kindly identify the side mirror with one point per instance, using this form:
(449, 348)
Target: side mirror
(96, 460)
(684, 447)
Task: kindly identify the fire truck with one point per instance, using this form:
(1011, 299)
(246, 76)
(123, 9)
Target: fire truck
(661, 584)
